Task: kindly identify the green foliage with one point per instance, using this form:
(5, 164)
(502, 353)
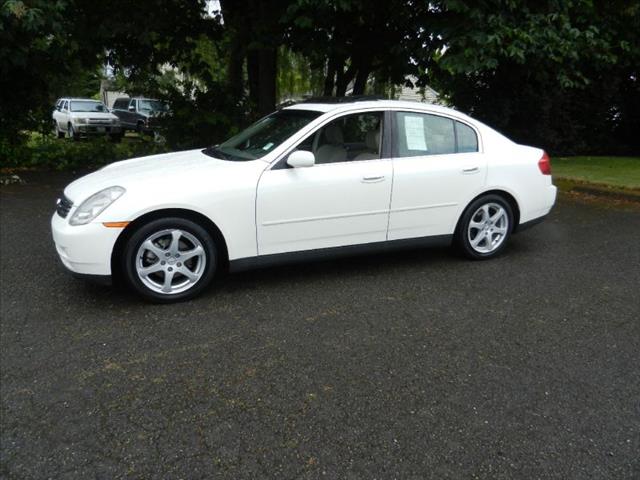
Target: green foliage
(62, 154)
(560, 74)
(201, 117)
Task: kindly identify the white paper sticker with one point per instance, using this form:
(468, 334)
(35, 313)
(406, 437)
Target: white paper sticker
(267, 146)
(414, 132)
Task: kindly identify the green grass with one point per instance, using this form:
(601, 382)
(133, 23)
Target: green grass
(617, 172)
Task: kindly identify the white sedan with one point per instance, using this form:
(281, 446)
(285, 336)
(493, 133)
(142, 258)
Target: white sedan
(312, 180)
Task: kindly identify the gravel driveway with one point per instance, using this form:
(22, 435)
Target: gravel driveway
(409, 365)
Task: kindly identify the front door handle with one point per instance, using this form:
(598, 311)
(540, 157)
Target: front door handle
(471, 170)
(373, 179)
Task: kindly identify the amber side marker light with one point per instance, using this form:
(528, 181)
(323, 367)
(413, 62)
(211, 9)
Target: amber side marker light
(115, 224)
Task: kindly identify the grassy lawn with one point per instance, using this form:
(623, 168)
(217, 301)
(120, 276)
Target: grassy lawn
(616, 172)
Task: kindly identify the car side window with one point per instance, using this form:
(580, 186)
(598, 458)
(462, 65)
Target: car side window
(467, 138)
(348, 138)
(132, 104)
(65, 105)
(421, 134)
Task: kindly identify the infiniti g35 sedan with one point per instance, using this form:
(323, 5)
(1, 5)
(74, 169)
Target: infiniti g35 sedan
(312, 180)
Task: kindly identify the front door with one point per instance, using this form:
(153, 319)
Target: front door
(342, 200)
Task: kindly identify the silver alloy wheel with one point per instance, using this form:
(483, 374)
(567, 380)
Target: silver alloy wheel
(170, 261)
(488, 227)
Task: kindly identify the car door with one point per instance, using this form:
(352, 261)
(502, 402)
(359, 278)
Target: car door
(63, 116)
(437, 165)
(341, 200)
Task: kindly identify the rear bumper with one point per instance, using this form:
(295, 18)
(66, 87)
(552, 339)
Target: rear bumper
(530, 223)
(545, 204)
(84, 249)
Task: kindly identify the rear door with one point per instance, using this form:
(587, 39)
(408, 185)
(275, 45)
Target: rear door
(437, 165)
(342, 200)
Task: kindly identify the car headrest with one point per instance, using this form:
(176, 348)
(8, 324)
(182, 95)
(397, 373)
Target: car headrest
(372, 139)
(333, 134)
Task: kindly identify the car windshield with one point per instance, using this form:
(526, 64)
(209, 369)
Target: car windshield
(263, 136)
(152, 105)
(87, 106)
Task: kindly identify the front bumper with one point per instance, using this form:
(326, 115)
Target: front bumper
(85, 129)
(84, 249)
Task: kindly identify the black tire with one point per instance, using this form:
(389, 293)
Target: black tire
(72, 133)
(130, 261)
(463, 234)
(56, 130)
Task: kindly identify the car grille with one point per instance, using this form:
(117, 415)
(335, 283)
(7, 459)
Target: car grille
(63, 205)
(99, 121)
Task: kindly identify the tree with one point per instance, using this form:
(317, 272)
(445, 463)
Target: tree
(558, 73)
(350, 40)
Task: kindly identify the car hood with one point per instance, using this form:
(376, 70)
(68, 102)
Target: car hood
(152, 173)
(107, 115)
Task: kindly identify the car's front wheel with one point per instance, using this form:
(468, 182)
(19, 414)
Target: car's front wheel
(485, 227)
(170, 259)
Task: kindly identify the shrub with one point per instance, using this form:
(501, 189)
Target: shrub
(61, 154)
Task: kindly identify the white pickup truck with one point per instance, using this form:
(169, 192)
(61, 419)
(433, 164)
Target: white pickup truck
(82, 117)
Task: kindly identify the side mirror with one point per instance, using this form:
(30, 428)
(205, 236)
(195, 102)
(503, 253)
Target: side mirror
(301, 159)
(132, 108)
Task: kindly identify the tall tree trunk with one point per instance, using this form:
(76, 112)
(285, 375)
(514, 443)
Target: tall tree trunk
(329, 81)
(343, 79)
(253, 73)
(268, 59)
(236, 30)
(360, 83)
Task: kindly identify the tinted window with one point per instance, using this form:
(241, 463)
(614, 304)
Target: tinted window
(87, 106)
(146, 105)
(424, 134)
(132, 103)
(467, 139)
(121, 103)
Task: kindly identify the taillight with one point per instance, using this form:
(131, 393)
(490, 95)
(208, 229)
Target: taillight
(544, 164)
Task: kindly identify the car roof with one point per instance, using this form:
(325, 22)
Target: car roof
(368, 104)
(78, 98)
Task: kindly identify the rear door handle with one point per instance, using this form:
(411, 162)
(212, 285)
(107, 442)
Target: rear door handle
(471, 170)
(373, 179)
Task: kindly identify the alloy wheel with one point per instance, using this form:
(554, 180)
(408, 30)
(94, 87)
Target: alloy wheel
(488, 228)
(170, 261)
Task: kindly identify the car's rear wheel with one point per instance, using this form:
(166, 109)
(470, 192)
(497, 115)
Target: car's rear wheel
(170, 259)
(485, 227)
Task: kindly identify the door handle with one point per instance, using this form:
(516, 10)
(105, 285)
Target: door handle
(373, 179)
(471, 170)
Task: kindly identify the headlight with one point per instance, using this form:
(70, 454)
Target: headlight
(80, 120)
(95, 205)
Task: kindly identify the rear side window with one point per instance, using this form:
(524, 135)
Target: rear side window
(121, 104)
(424, 134)
(467, 138)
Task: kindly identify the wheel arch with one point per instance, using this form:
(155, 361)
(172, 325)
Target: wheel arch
(508, 197)
(192, 215)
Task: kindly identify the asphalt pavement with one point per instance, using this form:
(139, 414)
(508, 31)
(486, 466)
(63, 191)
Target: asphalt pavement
(410, 365)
